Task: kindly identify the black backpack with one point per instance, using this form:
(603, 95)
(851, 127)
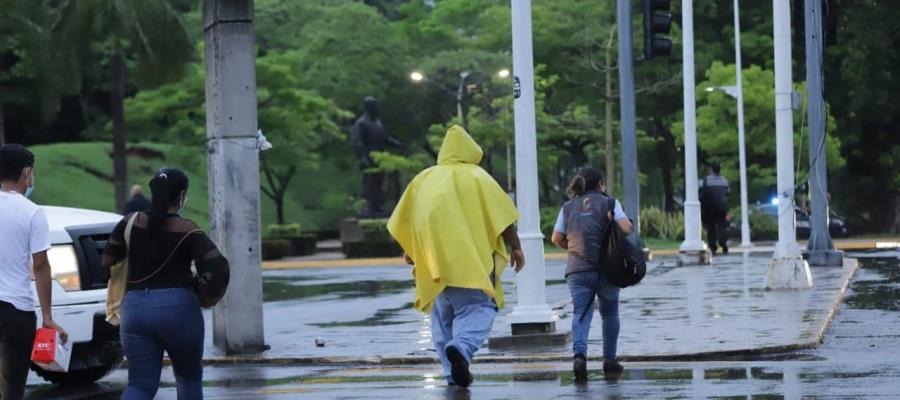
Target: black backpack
(621, 258)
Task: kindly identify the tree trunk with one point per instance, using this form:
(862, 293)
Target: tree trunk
(2, 129)
(279, 208)
(117, 109)
(663, 147)
(486, 161)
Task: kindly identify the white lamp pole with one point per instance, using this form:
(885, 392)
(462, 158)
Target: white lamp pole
(788, 269)
(532, 313)
(693, 250)
(742, 153)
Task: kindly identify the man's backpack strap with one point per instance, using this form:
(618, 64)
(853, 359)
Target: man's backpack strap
(611, 204)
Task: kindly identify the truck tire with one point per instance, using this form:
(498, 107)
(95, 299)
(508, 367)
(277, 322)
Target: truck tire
(90, 362)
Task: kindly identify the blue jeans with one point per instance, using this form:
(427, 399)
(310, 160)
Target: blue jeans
(583, 287)
(157, 320)
(461, 318)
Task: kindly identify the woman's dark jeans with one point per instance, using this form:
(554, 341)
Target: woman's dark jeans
(584, 288)
(157, 320)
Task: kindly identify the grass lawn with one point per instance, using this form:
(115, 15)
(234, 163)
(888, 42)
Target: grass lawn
(80, 175)
(660, 244)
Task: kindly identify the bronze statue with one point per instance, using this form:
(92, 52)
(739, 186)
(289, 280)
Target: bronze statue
(370, 135)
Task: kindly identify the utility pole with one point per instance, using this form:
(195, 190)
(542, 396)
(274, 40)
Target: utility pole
(788, 269)
(607, 125)
(233, 168)
(531, 314)
(820, 248)
(693, 251)
(627, 115)
(742, 152)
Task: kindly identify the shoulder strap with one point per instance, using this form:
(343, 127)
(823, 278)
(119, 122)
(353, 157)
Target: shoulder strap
(611, 204)
(128, 227)
(169, 258)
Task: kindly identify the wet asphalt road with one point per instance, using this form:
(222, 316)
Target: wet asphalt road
(860, 358)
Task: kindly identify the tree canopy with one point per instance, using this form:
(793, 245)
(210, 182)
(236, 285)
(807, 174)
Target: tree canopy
(318, 59)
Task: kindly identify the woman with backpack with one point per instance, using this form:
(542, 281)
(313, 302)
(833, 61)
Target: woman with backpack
(161, 307)
(579, 229)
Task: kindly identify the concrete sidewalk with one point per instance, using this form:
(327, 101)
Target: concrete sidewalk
(721, 311)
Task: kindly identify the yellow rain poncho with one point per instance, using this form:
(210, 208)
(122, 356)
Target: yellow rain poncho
(450, 220)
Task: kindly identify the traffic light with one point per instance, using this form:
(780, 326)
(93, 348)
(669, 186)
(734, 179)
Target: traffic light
(657, 21)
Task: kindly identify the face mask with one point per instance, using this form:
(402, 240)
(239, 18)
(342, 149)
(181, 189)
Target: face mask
(183, 204)
(30, 188)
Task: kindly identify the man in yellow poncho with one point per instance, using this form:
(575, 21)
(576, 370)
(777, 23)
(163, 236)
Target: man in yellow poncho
(454, 222)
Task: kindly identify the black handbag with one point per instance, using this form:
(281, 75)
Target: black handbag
(621, 257)
(210, 285)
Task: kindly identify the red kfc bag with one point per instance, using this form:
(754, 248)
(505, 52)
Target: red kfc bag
(49, 351)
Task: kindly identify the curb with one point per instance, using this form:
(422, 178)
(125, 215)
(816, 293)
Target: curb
(730, 355)
(399, 262)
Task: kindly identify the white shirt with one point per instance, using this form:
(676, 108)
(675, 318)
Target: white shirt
(23, 231)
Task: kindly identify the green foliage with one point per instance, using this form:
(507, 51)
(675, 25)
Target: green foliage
(319, 58)
(548, 221)
(276, 231)
(274, 249)
(150, 33)
(717, 127)
(80, 175)
(375, 230)
(389, 162)
(658, 224)
(763, 227)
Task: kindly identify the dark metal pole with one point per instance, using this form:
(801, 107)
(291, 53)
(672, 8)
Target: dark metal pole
(820, 247)
(627, 112)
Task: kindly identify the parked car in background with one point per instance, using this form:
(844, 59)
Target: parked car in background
(837, 226)
(78, 237)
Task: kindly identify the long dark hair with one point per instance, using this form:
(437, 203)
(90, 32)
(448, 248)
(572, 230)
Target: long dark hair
(587, 179)
(165, 188)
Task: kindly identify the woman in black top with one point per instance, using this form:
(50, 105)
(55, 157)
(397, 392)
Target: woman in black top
(160, 311)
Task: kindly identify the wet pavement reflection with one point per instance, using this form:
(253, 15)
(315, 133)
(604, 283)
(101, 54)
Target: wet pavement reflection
(860, 356)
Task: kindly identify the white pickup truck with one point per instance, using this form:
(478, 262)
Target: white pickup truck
(79, 293)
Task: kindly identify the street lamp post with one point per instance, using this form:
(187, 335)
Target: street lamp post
(693, 251)
(504, 73)
(531, 314)
(788, 269)
(742, 153)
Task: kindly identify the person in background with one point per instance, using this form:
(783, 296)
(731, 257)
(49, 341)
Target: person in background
(160, 311)
(137, 202)
(579, 229)
(714, 208)
(25, 235)
(454, 222)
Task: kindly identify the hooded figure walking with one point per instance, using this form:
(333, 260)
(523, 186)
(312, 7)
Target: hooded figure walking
(454, 222)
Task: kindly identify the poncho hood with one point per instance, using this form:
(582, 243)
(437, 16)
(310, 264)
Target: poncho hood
(450, 220)
(459, 148)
